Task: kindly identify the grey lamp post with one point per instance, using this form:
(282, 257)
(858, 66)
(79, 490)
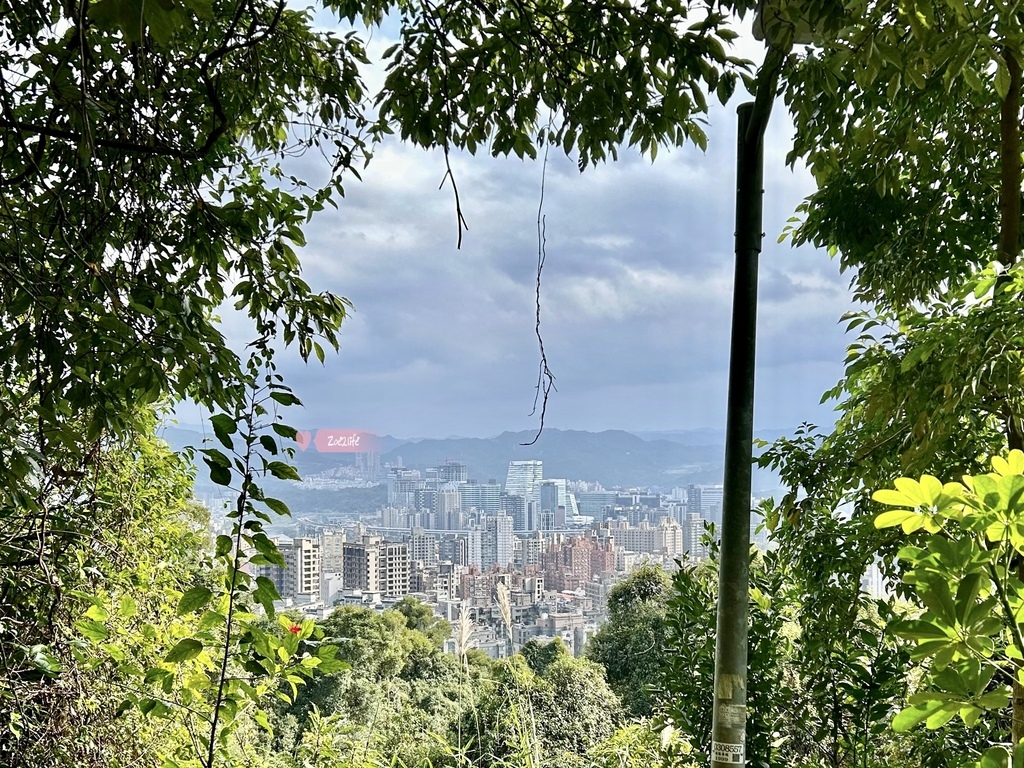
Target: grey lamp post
(729, 716)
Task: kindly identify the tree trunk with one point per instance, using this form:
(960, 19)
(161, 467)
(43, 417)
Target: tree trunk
(1009, 253)
(1010, 165)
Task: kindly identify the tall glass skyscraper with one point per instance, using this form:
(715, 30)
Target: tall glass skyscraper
(524, 478)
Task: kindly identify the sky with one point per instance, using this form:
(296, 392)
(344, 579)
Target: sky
(635, 294)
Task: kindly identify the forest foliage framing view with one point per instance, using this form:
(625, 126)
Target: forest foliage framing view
(147, 173)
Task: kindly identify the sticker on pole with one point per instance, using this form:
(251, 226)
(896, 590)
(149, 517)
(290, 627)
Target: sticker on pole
(730, 754)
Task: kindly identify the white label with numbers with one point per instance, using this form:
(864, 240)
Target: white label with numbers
(731, 754)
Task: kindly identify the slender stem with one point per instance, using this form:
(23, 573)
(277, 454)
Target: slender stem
(242, 499)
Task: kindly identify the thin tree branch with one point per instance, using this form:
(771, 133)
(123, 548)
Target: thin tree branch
(545, 379)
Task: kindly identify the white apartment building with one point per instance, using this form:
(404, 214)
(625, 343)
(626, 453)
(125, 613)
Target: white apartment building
(665, 538)
(331, 553)
(300, 576)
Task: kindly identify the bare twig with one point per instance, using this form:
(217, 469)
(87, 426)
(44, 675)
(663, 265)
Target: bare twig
(545, 378)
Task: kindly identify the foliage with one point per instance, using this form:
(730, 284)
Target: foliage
(139, 190)
(964, 569)
(148, 181)
(397, 682)
(519, 66)
(542, 720)
(421, 617)
(212, 663)
(631, 644)
(639, 744)
(686, 685)
(898, 114)
(540, 656)
(815, 648)
(909, 117)
(58, 696)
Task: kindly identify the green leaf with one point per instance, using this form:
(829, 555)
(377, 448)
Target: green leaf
(994, 699)
(912, 716)
(943, 716)
(219, 474)
(912, 490)
(278, 506)
(894, 517)
(895, 498)
(261, 720)
(127, 607)
(224, 545)
(184, 650)
(283, 471)
(285, 398)
(194, 600)
(265, 594)
(201, 8)
(284, 430)
(994, 757)
(268, 549)
(966, 595)
(157, 674)
(223, 427)
(91, 629)
(920, 629)
(1002, 79)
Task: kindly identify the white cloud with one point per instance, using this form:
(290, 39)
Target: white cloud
(633, 292)
(636, 293)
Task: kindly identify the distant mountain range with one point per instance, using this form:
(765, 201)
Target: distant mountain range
(612, 457)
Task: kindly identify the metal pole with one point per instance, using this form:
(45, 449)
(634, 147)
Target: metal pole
(728, 747)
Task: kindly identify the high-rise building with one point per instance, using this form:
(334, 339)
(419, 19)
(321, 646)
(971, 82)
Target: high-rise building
(693, 535)
(531, 548)
(496, 542)
(515, 507)
(706, 500)
(549, 496)
(331, 553)
(376, 565)
(483, 497)
(447, 508)
(422, 547)
(454, 549)
(393, 563)
(524, 478)
(595, 503)
(532, 516)
(402, 487)
(426, 500)
(300, 576)
(474, 547)
(360, 564)
(559, 497)
(665, 538)
(452, 472)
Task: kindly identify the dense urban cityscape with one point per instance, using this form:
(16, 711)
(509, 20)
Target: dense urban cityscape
(558, 546)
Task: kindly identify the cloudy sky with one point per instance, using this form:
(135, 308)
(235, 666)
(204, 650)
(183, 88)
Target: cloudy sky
(635, 295)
